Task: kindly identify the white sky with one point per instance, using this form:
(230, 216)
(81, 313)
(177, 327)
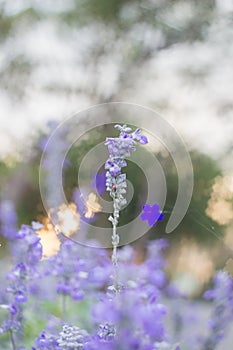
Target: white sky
(201, 112)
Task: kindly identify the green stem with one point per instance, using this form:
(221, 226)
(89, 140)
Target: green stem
(12, 340)
(115, 242)
(64, 306)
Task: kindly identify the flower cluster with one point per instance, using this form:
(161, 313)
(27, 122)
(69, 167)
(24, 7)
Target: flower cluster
(68, 301)
(131, 319)
(77, 272)
(29, 253)
(46, 341)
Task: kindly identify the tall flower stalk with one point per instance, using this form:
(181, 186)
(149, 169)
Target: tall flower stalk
(119, 148)
(222, 296)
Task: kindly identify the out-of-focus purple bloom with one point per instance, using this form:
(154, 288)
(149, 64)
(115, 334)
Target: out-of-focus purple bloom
(13, 310)
(63, 287)
(76, 270)
(139, 137)
(151, 214)
(20, 297)
(54, 156)
(11, 324)
(19, 271)
(27, 256)
(222, 296)
(8, 219)
(29, 246)
(158, 278)
(99, 182)
(43, 143)
(130, 319)
(79, 201)
(36, 225)
(107, 332)
(77, 294)
(47, 342)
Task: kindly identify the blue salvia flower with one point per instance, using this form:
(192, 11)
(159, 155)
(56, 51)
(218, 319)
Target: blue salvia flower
(8, 219)
(29, 253)
(46, 341)
(8, 224)
(130, 320)
(151, 214)
(119, 148)
(222, 315)
(135, 317)
(70, 271)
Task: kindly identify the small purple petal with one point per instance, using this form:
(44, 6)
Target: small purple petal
(100, 182)
(143, 140)
(151, 214)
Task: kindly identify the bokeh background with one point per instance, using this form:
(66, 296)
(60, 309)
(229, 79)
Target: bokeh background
(57, 58)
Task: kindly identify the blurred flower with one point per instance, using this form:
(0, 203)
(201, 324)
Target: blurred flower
(54, 152)
(47, 341)
(222, 315)
(8, 219)
(99, 182)
(151, 214)
(36, 225)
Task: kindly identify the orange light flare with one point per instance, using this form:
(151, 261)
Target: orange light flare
(48, 238)
(68, 223)
(220, 205)
(68, 219)
(92, 205)
(191, 266)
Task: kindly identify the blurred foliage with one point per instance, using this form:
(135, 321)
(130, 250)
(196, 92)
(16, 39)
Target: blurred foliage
(123, 26)
(196, 223)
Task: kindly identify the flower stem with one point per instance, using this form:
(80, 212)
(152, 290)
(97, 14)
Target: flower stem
(115, 242)
(64, 302)
(12, 340)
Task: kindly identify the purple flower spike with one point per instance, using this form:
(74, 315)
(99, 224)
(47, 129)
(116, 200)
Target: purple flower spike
(151, 214)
